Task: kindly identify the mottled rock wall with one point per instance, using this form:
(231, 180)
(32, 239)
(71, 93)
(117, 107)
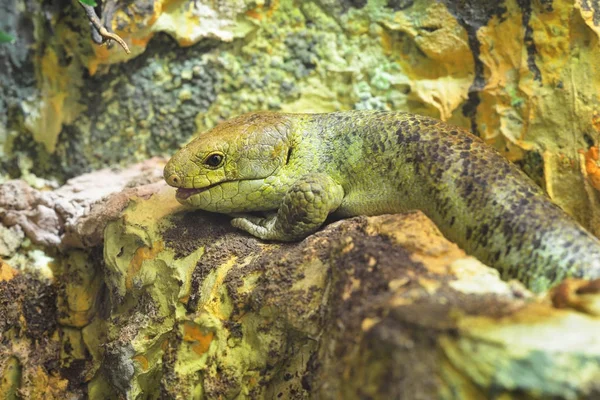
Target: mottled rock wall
(519, 73)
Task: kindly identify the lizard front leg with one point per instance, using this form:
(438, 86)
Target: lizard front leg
(303, 210)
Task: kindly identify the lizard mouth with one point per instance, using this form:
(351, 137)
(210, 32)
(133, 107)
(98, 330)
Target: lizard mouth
(185, 193)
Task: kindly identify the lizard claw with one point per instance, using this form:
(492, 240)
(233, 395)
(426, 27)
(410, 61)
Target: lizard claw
(259, 227)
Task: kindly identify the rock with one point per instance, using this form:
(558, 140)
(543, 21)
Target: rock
(71, 216)
(379, 307)
(177, 302)
(10, 240)
(30, 347)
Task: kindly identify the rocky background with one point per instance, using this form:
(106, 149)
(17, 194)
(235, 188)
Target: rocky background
(108, 289)
(521, 74)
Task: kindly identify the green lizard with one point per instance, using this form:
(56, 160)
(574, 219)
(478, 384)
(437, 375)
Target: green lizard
(303, 167)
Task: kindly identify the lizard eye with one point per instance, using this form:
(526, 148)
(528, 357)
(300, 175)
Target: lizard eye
(214, 160)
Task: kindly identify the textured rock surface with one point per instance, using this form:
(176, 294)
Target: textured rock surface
(180, 305)
(521, 74)
(75, 214)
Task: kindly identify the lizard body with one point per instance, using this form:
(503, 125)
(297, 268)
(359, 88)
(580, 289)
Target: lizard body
(303, 167)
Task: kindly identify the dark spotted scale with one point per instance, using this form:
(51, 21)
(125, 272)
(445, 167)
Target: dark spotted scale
(393, 162)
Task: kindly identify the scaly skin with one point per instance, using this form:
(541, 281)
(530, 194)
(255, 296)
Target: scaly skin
(302, 167)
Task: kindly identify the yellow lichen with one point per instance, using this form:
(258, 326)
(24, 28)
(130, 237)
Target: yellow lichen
(187, 22)
(215, 288)
(57, 104)
(442, 78)
(10, 378)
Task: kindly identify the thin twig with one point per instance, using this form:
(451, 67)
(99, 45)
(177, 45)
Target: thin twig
(100, 30)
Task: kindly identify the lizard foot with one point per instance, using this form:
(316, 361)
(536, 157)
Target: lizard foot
(303, 210)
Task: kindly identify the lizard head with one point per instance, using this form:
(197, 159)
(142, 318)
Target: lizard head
(221, 168)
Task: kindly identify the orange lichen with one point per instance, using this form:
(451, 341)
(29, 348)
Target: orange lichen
(184, 299)
(143, 361)
(200, 341)
(6, 271)
(591, 166)
(141, 42)
(186, 42)
(102, 55)
(579, 294)
(259, 12)
(254, 14)
(141, 254)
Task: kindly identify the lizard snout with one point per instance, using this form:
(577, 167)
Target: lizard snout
(173, 180)
(171, 177)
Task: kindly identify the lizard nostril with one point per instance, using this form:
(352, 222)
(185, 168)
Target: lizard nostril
(174, 180)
